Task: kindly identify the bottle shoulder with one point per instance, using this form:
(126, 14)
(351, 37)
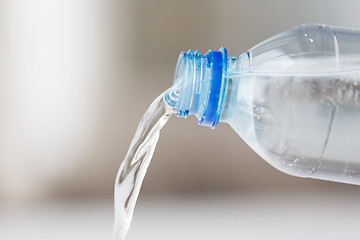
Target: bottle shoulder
(305, 49)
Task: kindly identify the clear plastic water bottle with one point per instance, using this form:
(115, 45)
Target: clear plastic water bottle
(294, 99)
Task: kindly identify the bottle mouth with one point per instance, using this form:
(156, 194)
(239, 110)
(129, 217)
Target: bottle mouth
(199, 86)
(180, 84)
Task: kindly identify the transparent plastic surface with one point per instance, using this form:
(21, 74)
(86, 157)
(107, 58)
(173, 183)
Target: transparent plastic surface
(295, 99)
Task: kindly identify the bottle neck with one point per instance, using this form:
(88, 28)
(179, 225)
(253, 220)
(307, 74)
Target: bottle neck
(200, 86)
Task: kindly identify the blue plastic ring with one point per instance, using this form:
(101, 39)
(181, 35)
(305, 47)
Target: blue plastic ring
(215, 60)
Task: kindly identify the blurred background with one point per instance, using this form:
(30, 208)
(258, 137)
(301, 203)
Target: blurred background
(76, 77)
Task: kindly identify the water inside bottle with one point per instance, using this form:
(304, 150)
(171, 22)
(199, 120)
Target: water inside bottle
(304, 125)
(134, 166)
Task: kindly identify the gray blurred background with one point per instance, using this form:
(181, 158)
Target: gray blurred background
(77, 75)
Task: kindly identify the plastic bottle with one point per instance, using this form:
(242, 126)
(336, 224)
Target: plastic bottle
(294, 99)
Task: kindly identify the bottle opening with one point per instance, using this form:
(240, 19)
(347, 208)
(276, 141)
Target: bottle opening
(200, 85)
